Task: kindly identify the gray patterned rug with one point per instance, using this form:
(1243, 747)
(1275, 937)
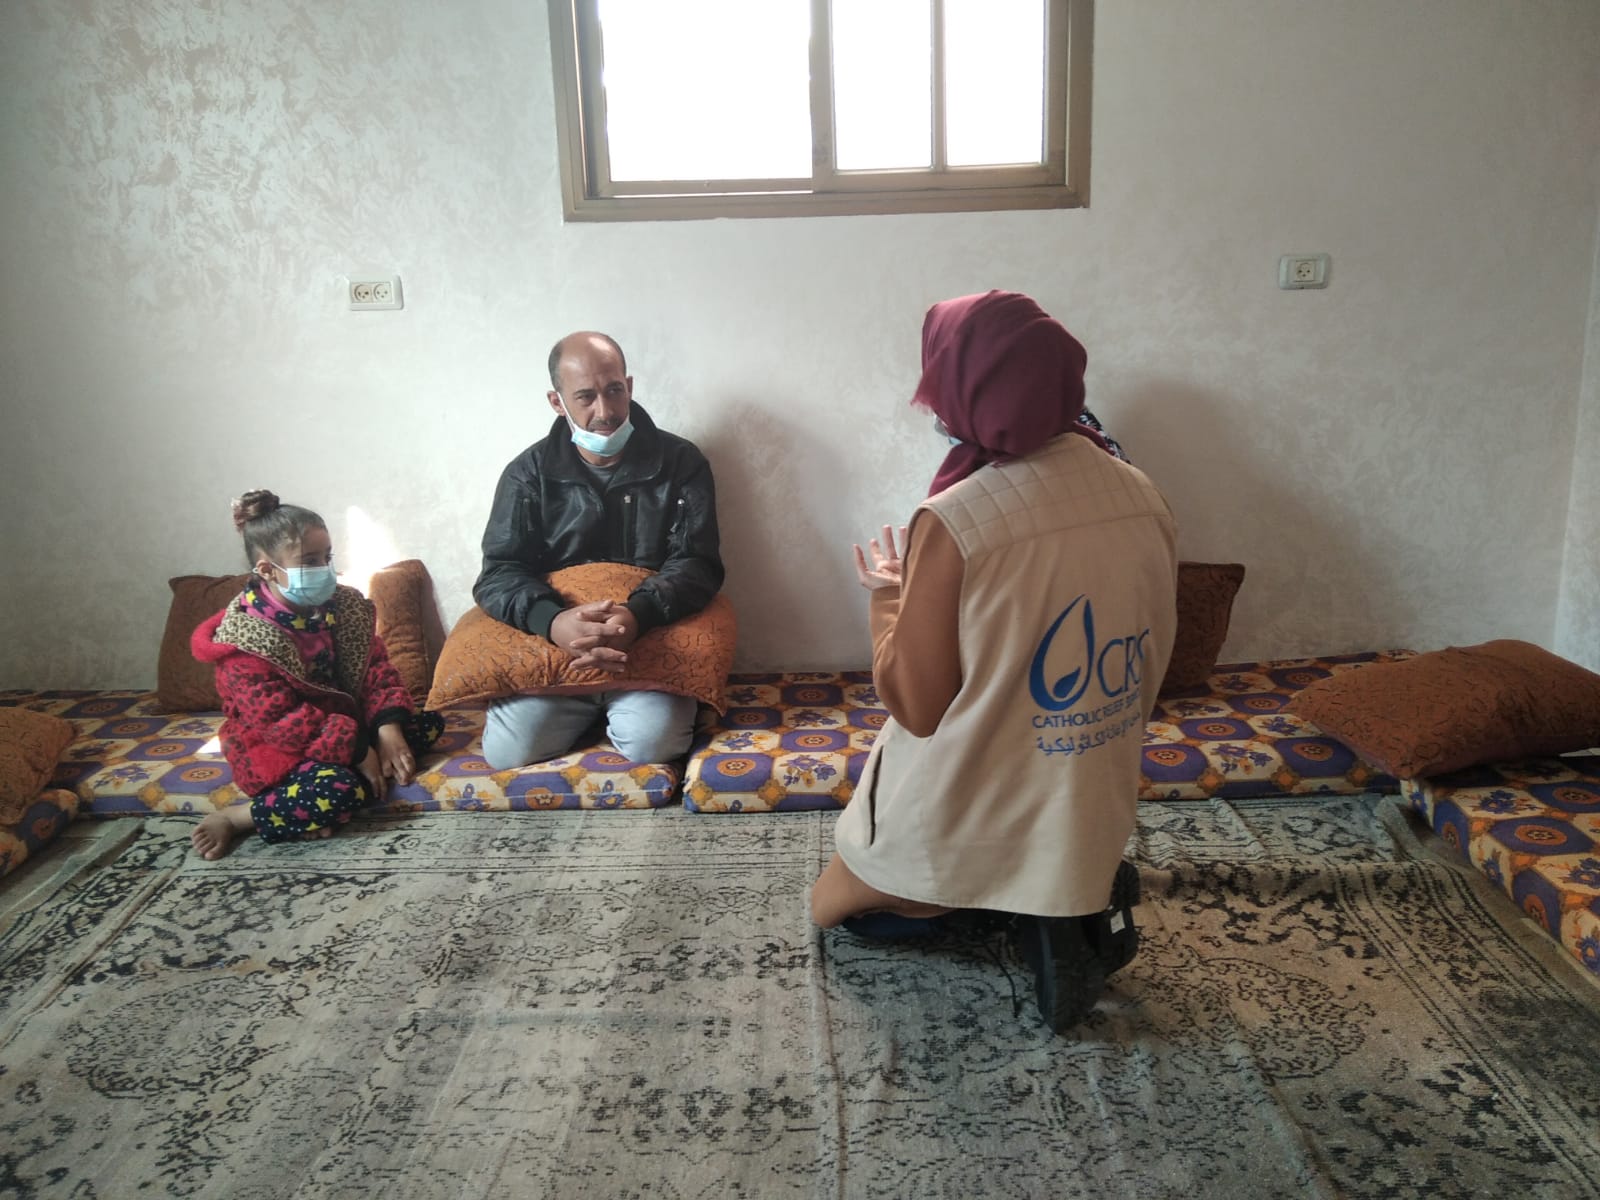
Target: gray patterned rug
(634, 1005)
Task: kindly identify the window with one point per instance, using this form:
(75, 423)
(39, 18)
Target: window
(706, 108)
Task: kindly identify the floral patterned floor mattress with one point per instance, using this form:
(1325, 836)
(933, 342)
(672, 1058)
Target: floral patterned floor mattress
(787, 742)
(1534, 829)
(798, 741)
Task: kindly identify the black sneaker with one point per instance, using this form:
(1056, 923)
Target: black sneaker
(1072, 957)
(1112, 933)
(1068, 976)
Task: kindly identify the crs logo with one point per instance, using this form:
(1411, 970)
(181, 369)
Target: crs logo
(1116, 665)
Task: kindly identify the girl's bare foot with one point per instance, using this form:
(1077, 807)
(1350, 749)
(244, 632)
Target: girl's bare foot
(218, 831)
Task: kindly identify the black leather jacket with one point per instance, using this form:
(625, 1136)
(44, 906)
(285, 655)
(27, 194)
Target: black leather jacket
(657, 510)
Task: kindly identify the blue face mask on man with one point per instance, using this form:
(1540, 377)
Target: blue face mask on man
(602, 444)
(308, 586)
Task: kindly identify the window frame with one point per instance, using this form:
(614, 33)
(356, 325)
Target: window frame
(589, 194)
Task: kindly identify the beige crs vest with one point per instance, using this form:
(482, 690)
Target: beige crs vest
(1023, 798)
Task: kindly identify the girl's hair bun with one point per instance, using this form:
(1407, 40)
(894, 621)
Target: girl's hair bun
(252, 506)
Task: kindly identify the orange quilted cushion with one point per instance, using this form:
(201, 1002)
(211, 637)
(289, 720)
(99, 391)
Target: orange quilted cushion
(30, 744)
(408, 622)
(1205, 604)
(182, 683)
(484, 659)
(1456, 708)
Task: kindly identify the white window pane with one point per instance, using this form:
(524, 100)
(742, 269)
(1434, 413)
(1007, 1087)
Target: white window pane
(707, 89)
(882, 83)
(994, 82)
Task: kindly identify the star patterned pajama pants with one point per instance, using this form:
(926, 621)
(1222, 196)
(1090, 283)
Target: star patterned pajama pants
(317, 795)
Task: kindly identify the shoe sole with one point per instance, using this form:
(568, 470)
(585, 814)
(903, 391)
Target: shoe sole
(1068, 975)
(892, 927)
(1125, 887)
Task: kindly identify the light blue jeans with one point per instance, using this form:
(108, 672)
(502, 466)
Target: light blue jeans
(650, 727)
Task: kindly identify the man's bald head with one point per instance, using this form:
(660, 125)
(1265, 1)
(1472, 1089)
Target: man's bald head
(584, 337)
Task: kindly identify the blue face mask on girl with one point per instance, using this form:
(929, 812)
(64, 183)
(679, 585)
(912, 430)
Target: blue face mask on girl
(308, 586)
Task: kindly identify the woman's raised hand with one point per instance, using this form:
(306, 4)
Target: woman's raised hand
(886, 566)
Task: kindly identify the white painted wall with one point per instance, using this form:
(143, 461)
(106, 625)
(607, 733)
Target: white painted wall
(184, 186)
(1578, 614)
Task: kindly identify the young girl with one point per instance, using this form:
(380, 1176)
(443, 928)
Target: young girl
(316, 718)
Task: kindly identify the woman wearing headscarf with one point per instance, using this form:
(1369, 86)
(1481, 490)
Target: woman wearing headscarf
(1018, 646)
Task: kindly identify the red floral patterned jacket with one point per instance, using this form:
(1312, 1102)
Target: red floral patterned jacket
(275, 717)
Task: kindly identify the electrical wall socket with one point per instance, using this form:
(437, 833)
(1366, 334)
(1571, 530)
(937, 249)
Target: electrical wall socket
(1303, 271)
(376, 293)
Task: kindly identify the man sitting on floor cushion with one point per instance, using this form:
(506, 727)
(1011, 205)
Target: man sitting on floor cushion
(605, 485)
(1018, 648)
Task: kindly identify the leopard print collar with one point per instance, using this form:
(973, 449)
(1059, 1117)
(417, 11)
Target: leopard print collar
(353, 625)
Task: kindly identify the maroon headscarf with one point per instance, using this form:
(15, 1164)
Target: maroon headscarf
(1003, 375)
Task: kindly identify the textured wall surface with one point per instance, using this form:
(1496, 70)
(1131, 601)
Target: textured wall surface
(1578, 616)
(185, 186)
